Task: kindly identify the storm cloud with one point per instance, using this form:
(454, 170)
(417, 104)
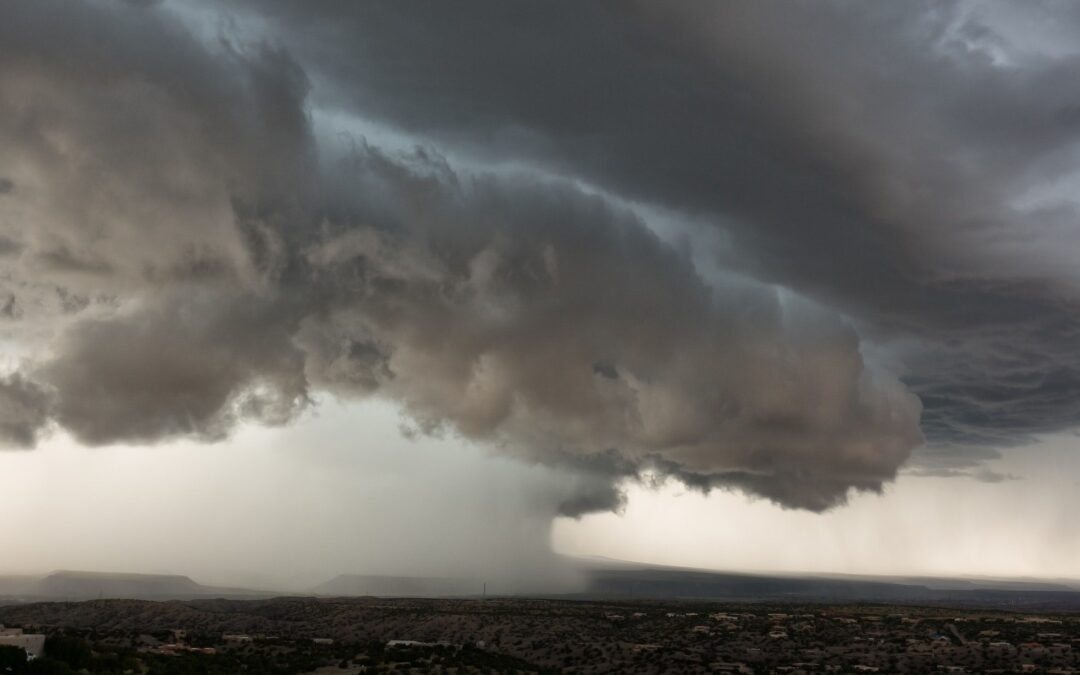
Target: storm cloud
(204, 238)
(24, 411)
(907, 164)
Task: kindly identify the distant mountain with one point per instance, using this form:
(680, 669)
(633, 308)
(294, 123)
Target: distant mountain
(974, 583)
(614, 579)
(607, 579)
(604, 579)
(79, 585)
(353, 585)
(82, 585)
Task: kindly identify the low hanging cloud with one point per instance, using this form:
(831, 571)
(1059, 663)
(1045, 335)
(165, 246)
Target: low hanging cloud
(523, 314)
(911, 165)
(24, 411)
(190, 363)
(201, 242)
(241, 263)
(541, 318)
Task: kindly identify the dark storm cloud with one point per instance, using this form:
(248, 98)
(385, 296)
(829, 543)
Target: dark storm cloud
(983, 475)
(134, 148)
(487, 303)
(252, 264)
(878, 156)
(24, 411)
(866, 156)
(186, 366)
(1005, 377)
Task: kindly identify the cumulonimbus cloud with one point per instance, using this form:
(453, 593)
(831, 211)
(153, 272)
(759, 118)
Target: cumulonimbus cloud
(910, 164)
(205, 254)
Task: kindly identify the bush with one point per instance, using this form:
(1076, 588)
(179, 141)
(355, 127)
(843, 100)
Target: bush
(12, 659)
(47, 666)
(73, 651)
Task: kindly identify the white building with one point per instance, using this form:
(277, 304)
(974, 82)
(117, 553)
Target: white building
(33, 644)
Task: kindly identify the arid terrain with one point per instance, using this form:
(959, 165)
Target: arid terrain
(298, 635)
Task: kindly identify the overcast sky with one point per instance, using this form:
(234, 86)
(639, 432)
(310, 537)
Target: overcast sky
(289, 289)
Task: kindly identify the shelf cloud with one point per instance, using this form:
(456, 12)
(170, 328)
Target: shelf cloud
(202, 245)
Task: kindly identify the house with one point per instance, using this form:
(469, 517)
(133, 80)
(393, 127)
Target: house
(233, 637)
(32, 643)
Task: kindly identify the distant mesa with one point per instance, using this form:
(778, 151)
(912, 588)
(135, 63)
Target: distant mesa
(615, 579)
(603, 579)
(606, 579)
(79, 585)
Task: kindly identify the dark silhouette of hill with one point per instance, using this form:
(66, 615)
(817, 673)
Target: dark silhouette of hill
(613, 579)
(603, 579)
(80, 585)
(607, 579)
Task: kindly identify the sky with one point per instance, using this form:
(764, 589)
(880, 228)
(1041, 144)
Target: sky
(295, 289)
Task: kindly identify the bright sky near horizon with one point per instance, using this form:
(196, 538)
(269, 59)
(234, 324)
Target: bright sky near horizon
(343, 491)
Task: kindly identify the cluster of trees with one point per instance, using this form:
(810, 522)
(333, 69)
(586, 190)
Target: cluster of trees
(71, 654)
(64, 655)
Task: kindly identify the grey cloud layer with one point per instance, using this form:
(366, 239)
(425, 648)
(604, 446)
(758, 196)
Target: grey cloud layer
(228, 264)
(129, 162)
(24, 411)
(542, 318)
(895, 160)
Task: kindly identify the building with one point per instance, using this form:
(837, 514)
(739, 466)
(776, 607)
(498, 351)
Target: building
(234, 637)
(32, 643)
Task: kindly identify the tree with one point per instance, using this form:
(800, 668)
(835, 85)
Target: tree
(12, 659)
(48, 666)
(74, 651)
